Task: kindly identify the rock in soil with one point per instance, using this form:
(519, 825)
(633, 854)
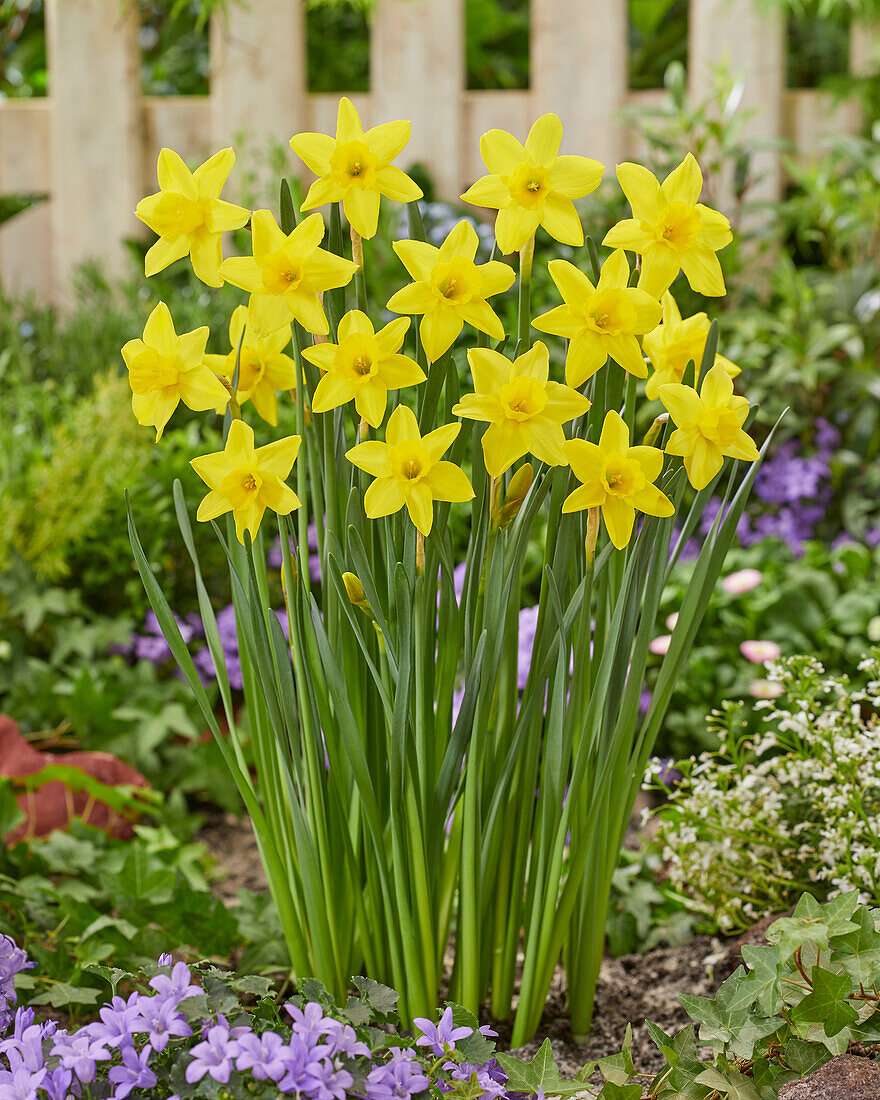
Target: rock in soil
(845, 1077)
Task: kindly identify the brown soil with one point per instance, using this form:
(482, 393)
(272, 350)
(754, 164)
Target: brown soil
(631, 989)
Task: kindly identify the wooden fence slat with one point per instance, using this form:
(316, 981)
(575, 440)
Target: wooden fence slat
(580, 70)
(417, 72)
(864, 48)
(25, 243)
(258, 82)
(750, 40)
(96, 141)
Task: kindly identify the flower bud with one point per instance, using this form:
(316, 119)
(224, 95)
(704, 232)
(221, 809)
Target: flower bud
(516, 493)
(355, 592)
(592, 534)
(653, 433)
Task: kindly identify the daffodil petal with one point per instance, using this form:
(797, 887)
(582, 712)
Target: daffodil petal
(514, 226)
(615, 271)
(402, 425)
(560, 219)
(305, 238)
(703, 271)
(642, 190)
(716, 388)
(418, 257)
(174, 175)
(743, 447)
(497, 278)
(398, 371)
(653, 502)
(200, 390)
(449, 482)
(545, 137)
(388, 140)
(355, 320)
(439, 330)
(625, 351)
(628, 234)
(546, 441)
(619, 518)
(561, 321)
(416, 298)
(420, 505)
(370, 401)
(221, 216)
(159, 331)
(703, 463)
(564, 403)
(322, 191)
(362, 210)
(314, 150)
(212, 506)
(279, 497)
(331, 392)
(489, 192)
(390, 338)
(268, 312)
(481, 315)
(650, 459)
(396, 184)
(660, 265)
(615, 434)
(462, 240)
(715, 231)
(322, 355)
(265, 401)
(438, 442)
(206, 254)
(503, 443)
(682, 403)
(535, 363)
(573, 177)
(239, 449)
(489, 369)
(586, 355)
(348, 123)
(475, 406)
(306, 309)
(684, 183)
(571, 282)
(383, 497)
(163, 253)
(372, 457)
(585, 496)
(326, 271)
(212, 175)
(501, 152)
(243, 272)
(585, 459)
(648, 310)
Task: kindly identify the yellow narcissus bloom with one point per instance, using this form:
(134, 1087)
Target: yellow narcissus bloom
(616, 478)
(671, 229)
(524, 410)
(189, 216)
(674, 343)
(532, 185)
(164, 368)
(286, 274)
(364, 365)
(599, 321)
(710, 426)
(356, 167)
(263, 367)
(450, 288)
(408, 470)
(246, 481)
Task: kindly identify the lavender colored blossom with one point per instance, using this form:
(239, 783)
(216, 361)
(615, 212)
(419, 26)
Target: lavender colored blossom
(134, 1073)
(400, 1077)
(57, 1083)
(116, 1021)
(342, 1041)
(20, 1084)
(12, 961)
(528, 625)
(298, 1055)
(159, 1018)
(212, 1056)
(80, 1053)
(264, 1055)
(464, 1071)
(309, 1023)
(442, 1037)
(178, 986)
(324, 1081)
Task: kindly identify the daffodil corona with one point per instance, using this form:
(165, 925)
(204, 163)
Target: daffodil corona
(532, 185)
(356, 167)
(246, 480)
(617, 478)
(164, 369)
(263, 367)
(364, 365)
(408, 470)
(286, 274)
(450, 288)
(671, 229)
(189, 216)
(599, 321)
(709, 426)
(524, 410)
(674, 343)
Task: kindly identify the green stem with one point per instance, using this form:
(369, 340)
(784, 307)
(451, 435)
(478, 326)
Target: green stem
(524, 318)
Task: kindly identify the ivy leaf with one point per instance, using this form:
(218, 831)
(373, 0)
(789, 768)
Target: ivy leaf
(858, 951)
(726, 1019)
(541, 1073)
(827, 1004)
(471, 1089)
(380, 998)
(252, 983)
(812, 923)
(618, 1068)
(805, 1057)
(683, 1066)
(610, 1091)
(729, 1082)
(63, 994)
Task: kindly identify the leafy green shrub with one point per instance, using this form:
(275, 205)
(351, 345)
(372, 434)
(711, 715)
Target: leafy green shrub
(748, 829)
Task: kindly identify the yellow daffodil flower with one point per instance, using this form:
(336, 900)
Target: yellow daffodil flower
(164, 368)
(599, 321)
(616, 478)
(408, 470)
(532, 185)
(674, 343)
(356, 167)
(524, 410)
(263, 368)
(709, 426)
(671, 229)
(189, 216)
(246, 481)
(286, 274)
(450, 288)
(364, 365)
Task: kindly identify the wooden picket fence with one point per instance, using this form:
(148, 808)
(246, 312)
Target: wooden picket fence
(92, 144)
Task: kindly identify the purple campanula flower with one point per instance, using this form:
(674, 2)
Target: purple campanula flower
(442, 1037)
(342, 1040)
(20, 1083)
(323, 1081)
(81, 1053)
(134, 1073)
(400, 1077)
(57, 1083)
(159, 1018)
(465, 1070)
(117, 1020)
(212, 1056)
(309, 1023)
(297, 1054)
(178, 986)
(165, 959)
(12, 960)
(263, 1055)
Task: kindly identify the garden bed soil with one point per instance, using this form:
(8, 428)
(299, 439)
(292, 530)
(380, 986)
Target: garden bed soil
(631, 989)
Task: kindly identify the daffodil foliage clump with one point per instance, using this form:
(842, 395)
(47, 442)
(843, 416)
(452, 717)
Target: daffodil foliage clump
(410, 784)
(751, 827)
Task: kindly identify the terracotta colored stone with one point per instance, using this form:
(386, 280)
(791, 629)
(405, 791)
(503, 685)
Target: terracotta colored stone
(846, 1077)
(54, 805)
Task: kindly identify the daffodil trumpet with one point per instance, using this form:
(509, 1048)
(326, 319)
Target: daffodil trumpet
(443, 708)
